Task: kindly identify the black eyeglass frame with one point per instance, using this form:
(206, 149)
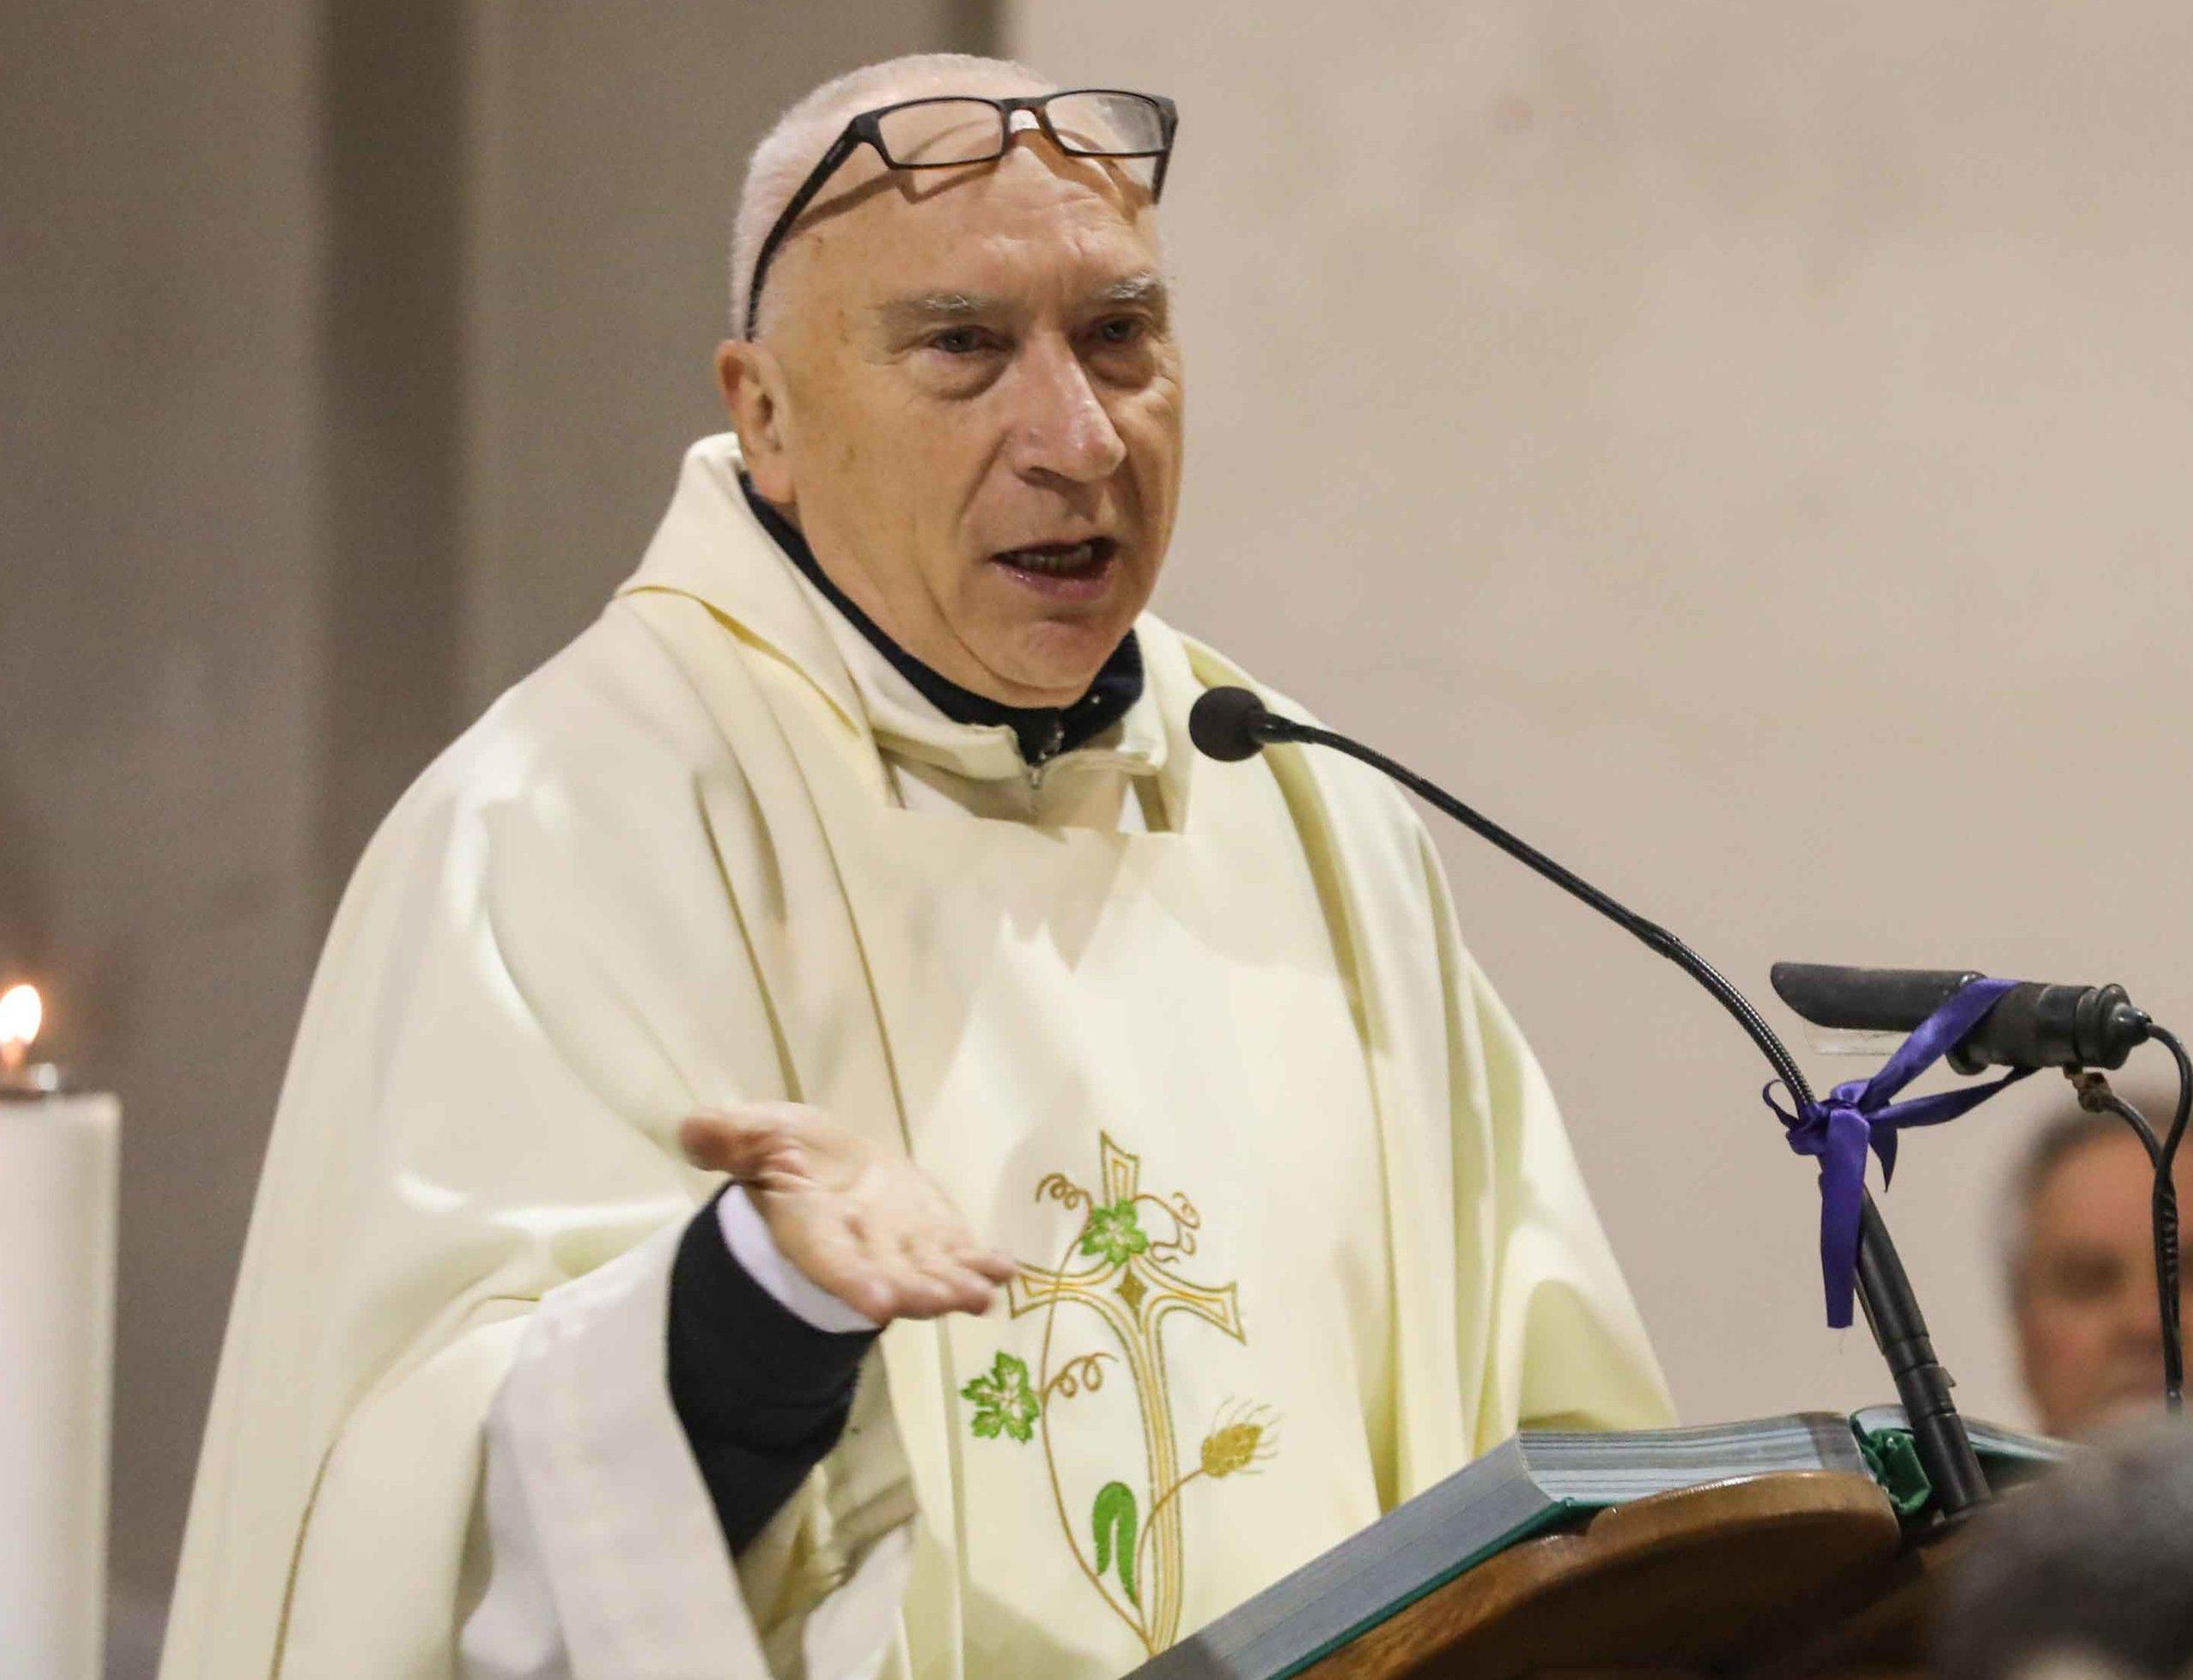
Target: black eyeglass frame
(867, 129)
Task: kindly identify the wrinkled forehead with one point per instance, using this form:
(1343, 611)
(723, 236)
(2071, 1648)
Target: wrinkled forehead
(1034, 220)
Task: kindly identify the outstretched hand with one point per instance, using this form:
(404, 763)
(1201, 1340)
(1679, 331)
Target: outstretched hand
(871, 1228)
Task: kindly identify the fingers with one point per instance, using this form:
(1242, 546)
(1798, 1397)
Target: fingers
(945, 1236)
(884, 1286)
(950, 1285)
(991, 1264)
(884, 1267)
(896, 1275)
(834, 1254)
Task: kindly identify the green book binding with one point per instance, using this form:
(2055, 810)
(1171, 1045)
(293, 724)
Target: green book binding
(2008, 1456)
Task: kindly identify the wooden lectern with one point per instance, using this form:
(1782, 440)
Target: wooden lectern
(1801, 1575)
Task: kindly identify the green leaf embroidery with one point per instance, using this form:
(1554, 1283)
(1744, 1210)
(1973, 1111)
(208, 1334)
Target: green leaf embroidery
(1004, 1401)
(1113, 1513)
(1114, 1233)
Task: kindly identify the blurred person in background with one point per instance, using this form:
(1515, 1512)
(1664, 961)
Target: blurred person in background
(2089, 1573)
(2083, 1269)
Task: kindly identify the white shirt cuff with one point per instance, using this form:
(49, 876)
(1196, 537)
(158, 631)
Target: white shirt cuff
(748, 1238)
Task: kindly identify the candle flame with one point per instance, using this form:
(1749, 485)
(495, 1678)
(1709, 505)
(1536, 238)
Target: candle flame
(22, 1013)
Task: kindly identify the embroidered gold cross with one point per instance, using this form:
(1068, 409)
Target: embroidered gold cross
(1130, 1288)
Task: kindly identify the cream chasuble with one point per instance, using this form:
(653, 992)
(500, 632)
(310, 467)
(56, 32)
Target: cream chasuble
(1299, 1231)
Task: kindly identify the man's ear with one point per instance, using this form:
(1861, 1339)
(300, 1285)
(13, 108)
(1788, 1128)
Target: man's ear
(753, 383)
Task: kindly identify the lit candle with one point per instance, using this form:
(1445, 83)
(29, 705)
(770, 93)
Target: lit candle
(59, 1152)
(22, 1013)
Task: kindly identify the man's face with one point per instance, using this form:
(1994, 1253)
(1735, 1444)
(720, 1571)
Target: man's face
(974, 411)
(2087, 1336)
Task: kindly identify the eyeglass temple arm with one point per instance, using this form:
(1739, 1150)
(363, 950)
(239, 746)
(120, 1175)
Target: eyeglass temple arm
(840, 149)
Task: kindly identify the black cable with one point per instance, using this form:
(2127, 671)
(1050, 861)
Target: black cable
(2165, 1218)
(2096, 1097)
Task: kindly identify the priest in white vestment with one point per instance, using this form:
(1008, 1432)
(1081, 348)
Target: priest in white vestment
(1207, 1200)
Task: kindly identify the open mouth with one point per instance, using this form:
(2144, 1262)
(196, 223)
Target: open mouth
(1064, 570)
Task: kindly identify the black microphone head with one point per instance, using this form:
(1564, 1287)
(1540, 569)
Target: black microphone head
(1225, 723)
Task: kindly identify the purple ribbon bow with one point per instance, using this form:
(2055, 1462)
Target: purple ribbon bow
(1859, 1115)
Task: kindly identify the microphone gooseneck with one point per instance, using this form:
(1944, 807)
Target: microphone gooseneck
(1232, 723)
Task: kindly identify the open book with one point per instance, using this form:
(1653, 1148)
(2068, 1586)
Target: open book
(1539, 1480)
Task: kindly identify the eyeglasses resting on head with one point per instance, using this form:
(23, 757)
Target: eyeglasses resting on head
(954, 131)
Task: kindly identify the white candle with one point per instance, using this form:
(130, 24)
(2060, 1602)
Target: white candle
(59, 1153)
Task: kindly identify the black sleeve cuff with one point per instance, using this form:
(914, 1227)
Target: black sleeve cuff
(762, 1394)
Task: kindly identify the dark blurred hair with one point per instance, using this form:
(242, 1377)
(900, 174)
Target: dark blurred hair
(2095, 1561)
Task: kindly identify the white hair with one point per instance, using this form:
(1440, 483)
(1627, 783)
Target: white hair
(804, 132)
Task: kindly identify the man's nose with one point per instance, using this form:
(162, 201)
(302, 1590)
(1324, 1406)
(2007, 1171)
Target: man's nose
(1063, 431)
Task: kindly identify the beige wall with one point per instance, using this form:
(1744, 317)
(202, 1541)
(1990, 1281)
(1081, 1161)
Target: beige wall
(1741, 447)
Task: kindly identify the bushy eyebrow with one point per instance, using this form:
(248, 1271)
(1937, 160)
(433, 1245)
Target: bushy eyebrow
(1146, 290)
(903, 317)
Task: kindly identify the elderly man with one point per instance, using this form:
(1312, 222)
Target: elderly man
(1208, 1202)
